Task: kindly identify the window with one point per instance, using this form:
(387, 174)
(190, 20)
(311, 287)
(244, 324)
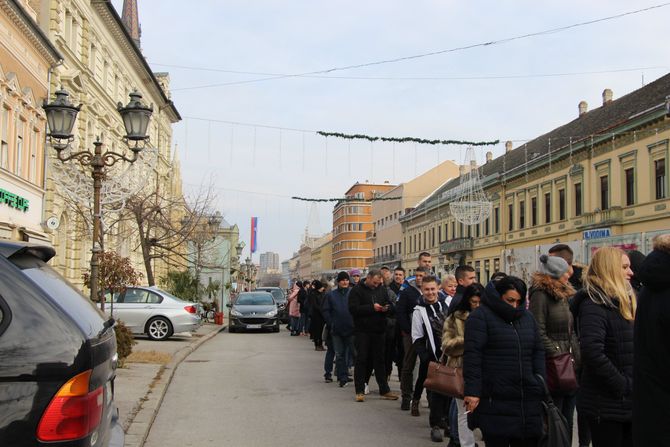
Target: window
(487, 226)
(4, 139)
(496, 220)
(439, 234)
(453, 230)
(604, 192)
(578, 199)
(18, 159)
(533, 211)
(432, 237)
(659, 175)
(561, 204)
(510, 217)
(32, 175)
(478, 230)
(522, 214)
(629, 175)
(547, 207)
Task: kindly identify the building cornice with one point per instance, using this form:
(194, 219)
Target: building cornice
(32, 31)
(113, 20)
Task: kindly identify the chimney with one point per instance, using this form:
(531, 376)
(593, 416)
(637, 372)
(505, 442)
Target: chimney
(607, 96)
(583, 107)
(508, 146)
(489, 156)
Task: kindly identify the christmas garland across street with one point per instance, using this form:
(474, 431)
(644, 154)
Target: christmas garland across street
(407, 139)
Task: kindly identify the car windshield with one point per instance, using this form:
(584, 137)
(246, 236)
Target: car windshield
(255, 299)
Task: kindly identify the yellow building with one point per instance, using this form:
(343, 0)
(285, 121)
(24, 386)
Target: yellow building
(600, 179)
(102, 65)
(352, 220)
(26, 58)
(322, 258)
(386, 237)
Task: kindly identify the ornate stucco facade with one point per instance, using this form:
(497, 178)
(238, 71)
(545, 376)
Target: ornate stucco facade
(102, 64)
(600, 179)
(26, 58)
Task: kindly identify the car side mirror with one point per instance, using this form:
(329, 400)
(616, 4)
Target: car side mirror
(229, 305)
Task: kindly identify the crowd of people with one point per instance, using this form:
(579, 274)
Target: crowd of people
(607, 322)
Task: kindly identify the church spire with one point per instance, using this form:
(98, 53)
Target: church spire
(131, 19)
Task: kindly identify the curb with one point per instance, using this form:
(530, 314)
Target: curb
(139, 428)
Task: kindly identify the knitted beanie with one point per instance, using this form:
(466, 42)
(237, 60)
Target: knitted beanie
(553, 266)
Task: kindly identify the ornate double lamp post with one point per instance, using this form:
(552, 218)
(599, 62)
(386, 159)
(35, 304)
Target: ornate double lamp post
(61, 115)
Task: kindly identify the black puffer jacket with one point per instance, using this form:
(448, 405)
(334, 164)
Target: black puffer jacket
(503, 354)
(361, 305)
(606, 346)
(651, 386)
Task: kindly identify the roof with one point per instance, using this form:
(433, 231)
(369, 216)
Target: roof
(646, 103)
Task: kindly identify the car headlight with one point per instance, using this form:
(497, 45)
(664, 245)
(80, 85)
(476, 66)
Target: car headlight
(272, 313)
(235, 313)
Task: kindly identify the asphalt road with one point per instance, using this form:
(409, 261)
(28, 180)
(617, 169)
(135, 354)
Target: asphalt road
(261, 389)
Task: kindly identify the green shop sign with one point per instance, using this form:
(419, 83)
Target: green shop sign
(13, 200)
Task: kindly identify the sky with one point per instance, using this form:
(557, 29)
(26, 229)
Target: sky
(255, 142)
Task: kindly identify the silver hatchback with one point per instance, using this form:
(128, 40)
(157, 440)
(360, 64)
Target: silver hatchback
(152, 311)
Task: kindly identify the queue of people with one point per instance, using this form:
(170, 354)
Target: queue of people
(607, 320)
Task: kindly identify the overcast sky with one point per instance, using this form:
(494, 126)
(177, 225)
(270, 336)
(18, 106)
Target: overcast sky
(514, 90)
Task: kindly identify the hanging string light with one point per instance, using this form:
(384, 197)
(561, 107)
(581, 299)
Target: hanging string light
(472, 205)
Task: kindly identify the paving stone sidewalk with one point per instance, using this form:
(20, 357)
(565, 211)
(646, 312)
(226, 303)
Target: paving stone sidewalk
(139, 387)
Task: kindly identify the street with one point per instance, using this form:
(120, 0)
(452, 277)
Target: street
(259, 389)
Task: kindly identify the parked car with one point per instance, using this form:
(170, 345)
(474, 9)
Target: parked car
(253, 310)
(280, 298)
(152, 311)
(57, 357)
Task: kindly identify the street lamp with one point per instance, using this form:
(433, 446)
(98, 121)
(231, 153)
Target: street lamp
(61, 115)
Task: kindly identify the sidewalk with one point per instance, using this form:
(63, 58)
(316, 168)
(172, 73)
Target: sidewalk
(139, 387)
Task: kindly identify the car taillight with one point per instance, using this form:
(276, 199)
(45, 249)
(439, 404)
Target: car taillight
(73, 413)
(190, 309)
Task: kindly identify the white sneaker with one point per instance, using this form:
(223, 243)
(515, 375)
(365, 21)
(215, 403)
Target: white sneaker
(367, 389)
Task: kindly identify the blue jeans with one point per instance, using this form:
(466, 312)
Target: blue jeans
(343, 346)
(453, 421)
(295, 325)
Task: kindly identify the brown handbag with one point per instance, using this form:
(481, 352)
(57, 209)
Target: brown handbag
(561, 376)
(444, 379)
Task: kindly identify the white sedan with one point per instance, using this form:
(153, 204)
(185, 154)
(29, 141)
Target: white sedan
(152, 311)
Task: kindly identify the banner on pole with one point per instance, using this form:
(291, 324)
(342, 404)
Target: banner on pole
(254, 235)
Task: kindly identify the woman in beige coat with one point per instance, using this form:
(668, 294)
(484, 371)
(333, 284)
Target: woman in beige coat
(453, 343)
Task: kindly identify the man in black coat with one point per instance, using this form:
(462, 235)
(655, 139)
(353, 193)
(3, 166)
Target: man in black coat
(368, 304)
(465, 276)
(651, 364)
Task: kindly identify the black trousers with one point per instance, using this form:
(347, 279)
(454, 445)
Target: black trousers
(510, 442)
(369, 346)
(439, 406)
(611, 434)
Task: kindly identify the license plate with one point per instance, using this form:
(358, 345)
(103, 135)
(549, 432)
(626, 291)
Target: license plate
(253, 326)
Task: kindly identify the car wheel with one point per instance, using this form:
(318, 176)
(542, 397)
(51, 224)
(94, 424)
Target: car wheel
(231, 330)
(276, 328)
(159, 328)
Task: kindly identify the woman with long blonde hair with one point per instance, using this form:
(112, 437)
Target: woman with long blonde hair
(605, 314)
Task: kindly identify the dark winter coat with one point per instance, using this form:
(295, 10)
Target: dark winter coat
(407, 300)
(503, 354)
(361, 305)
(651, 385)
(606, 346)
(336, 312)
(315, 300)
(303, 301)
(456, 300)
(549, 300)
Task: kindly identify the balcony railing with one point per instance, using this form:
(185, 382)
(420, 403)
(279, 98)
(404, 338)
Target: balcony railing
(370, 235)
(612, 216)
(385, 258)
(454, 245)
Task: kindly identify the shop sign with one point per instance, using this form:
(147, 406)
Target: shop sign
(598, 233)
(14, 200)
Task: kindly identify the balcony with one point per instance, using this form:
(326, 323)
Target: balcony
(612, 216)
(456, 245)
(385, 258)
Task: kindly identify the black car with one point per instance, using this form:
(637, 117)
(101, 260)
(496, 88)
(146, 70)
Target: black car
(57, 357)
(253, 310)
(280, 298)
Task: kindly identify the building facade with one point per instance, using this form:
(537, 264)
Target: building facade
(600, 179)
(352, 220)
(322, 258)
(269, 262)
(26, 60)
(387, 235)
(101, 65)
